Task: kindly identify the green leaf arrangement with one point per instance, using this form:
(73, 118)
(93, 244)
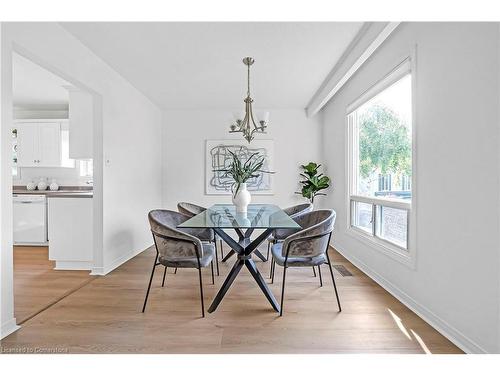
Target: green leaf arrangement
(242, 172)
(313, 181)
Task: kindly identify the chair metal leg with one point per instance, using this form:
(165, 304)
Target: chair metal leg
(314, 272)
(268, 248)
(274, 270)
(164, 274)
(212, 267)
(333, 279)
(320, 279)
(271, 268)
(149, 286)
(216, 257)
(221, 250)
(175, 272)
(201, 295)
(282, 291)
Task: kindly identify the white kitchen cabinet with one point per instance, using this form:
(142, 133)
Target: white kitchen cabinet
(38, 144)
(81, 113)
(50, 144)
(70, 232)
(27, 144)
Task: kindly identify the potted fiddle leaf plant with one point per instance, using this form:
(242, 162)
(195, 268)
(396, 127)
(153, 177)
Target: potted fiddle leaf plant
(241, 172)
(313, 181)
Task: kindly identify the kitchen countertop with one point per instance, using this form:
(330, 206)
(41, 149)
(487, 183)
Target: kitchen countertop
(63, 192)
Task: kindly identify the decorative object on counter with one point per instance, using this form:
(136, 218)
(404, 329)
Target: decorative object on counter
(313, 182)
(42, 184)
(15, 171)
(30, 186)
(241, 171)
(14, 146)
(53, 185)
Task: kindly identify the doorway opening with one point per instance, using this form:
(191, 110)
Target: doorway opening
(52, 177)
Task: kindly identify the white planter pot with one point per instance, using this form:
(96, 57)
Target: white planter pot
(242, 198)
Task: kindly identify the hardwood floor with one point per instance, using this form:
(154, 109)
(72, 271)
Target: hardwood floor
(105, 316)
(37, 285)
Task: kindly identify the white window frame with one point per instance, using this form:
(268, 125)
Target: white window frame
(83, 168)
(407, 65)
(66, 161)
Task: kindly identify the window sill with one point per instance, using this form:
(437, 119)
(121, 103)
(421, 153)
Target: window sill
(402, 256)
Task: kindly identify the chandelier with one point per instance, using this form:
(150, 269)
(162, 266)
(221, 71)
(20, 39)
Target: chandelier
(247, 125)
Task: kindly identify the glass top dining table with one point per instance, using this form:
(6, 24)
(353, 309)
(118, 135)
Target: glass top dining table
(222, 217)
(258, 216)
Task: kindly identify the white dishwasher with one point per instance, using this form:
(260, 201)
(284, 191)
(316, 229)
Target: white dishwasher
(30, 219)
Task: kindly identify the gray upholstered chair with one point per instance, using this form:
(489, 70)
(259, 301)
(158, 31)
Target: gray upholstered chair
(308, 247)
(281, 234)
(178, 248)
(191, 209)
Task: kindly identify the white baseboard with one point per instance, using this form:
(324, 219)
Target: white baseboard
(8, 328)
(451, 333)
(119, 261)
(73, 265)
(97, 271)
(35, 244)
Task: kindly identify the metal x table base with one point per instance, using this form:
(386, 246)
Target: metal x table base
(244, 248)
(244, 236)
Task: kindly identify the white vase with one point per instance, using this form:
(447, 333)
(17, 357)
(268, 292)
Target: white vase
(242, 198)
(31, 186)
(242, 219)
(54, 186)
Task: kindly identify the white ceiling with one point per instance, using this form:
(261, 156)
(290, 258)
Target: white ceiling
(198, 65)
(33, 87)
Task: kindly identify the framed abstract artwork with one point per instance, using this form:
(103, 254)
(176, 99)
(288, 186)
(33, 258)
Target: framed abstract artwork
(218, 157)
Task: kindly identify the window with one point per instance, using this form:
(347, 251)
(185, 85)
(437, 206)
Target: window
(86, 168)
(380, 170)
(66, 162)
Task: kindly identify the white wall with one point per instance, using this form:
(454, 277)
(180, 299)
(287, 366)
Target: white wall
(7, 320)
(126, 134)
(455, 284)
(296, 141)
